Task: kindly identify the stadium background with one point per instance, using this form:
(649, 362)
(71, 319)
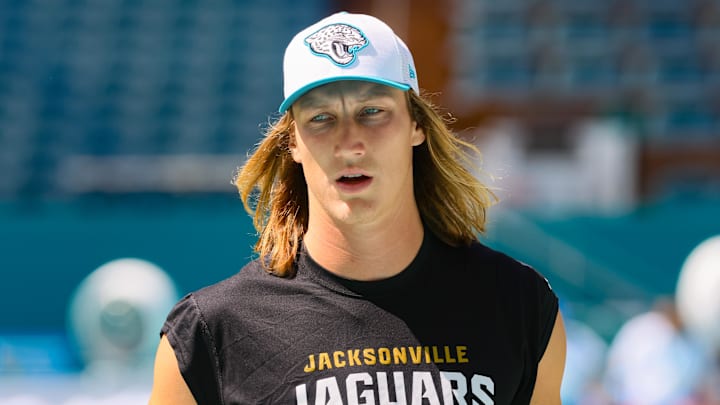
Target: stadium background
(122, 122)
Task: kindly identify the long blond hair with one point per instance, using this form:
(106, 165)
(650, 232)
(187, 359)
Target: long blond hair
(451, 200)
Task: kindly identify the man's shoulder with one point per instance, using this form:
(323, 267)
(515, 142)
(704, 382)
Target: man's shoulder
(243, 289)
(506, 268)
(251, 273)
(482, 254)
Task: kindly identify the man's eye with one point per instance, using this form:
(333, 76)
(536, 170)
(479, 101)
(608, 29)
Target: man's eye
(371, 111)
(320, 118)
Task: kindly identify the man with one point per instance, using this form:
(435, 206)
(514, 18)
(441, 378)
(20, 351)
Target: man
(370, 286)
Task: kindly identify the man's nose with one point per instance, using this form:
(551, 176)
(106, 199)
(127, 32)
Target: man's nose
(350, 140)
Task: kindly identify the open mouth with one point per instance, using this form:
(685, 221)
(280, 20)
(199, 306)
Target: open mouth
(353, 179)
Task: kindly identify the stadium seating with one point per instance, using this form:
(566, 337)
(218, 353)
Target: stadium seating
(599, 50)
(131, 77)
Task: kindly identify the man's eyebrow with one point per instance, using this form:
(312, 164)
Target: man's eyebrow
(309, 101)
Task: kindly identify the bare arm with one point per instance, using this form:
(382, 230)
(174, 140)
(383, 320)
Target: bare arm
(169, 387)
(551, 367)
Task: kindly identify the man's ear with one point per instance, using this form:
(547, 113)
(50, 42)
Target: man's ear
(292, 144)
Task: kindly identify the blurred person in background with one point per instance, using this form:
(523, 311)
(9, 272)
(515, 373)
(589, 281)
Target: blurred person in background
(585, 363)
(371, 285)
(653, 360)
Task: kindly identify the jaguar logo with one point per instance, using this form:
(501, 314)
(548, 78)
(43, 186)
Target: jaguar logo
(339, 42)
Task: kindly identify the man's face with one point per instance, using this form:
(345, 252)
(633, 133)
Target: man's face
(355, 142)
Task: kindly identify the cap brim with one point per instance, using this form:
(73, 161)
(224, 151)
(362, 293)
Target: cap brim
(285, 105)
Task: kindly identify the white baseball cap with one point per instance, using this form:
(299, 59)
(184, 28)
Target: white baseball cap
(346, 46)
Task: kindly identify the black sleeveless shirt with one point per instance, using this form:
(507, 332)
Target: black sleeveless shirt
(460, 325)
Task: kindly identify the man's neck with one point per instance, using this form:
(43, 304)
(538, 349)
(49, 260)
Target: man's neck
(365, 252)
